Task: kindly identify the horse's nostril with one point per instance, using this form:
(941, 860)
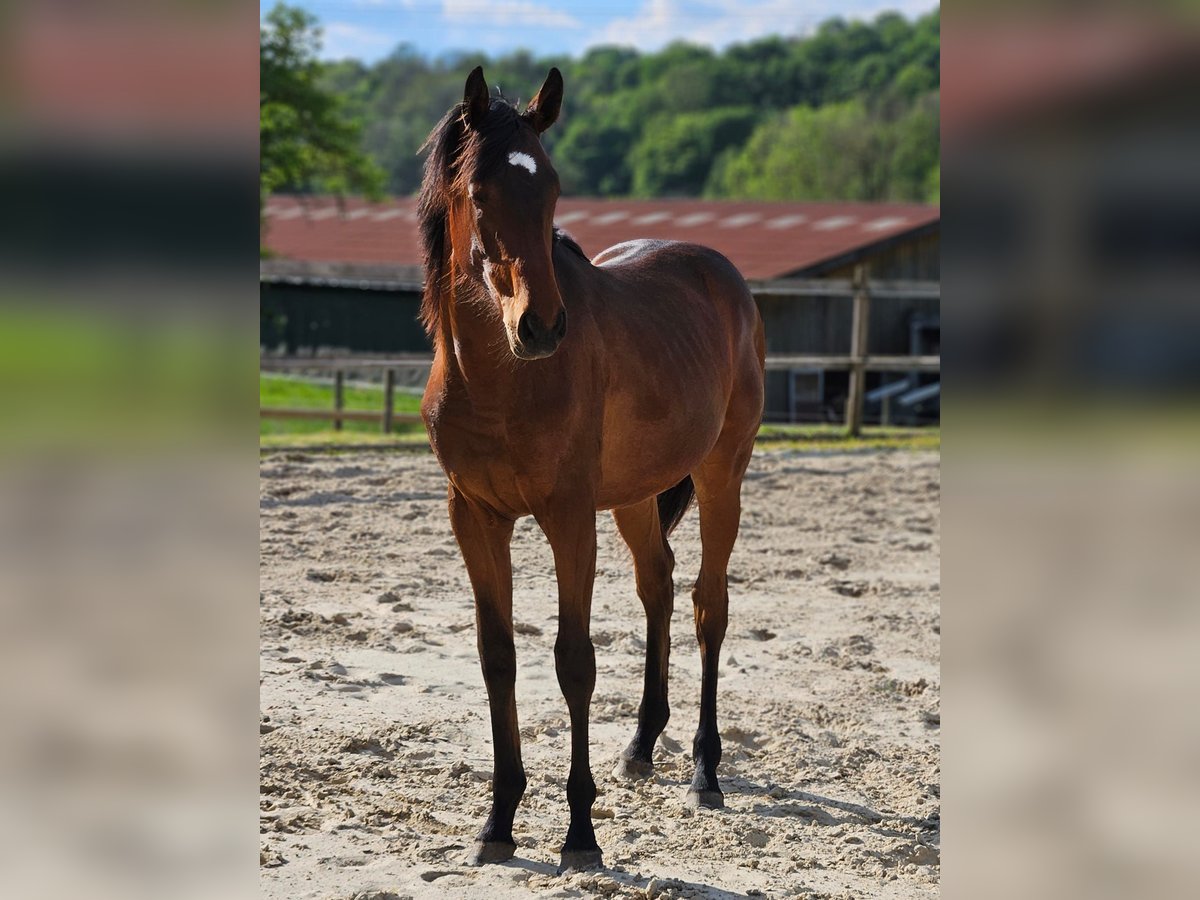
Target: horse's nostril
(525, 328)
(560, 325)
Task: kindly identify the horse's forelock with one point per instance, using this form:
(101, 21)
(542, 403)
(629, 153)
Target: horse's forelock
(487, 146)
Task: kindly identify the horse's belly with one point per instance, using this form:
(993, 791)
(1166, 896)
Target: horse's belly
(644, 456)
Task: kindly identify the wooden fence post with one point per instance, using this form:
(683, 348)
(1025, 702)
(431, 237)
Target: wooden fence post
(339, 398)
(389, 396)
(858, 351)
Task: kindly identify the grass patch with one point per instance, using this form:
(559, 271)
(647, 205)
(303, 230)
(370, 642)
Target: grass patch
(833, 438)
(87, 378)
(328, 439)
(296, 393)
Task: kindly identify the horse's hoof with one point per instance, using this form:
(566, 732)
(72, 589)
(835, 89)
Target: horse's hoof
(580, 859)
(705, 800)
(485, 852)
(633, 769)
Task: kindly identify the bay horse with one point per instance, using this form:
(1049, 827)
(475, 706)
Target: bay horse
(562, 386)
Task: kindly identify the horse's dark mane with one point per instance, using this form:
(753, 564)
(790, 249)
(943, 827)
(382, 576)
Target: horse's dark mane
(456, 155)
(561, 237)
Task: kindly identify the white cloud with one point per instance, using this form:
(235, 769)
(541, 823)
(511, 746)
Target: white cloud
(343, 40)
(655, 24)
(718, 23)
(508, 13)
(383, 4)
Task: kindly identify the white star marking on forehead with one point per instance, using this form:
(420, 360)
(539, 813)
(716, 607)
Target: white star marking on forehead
(524, 160)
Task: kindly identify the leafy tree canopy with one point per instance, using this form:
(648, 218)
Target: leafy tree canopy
(847, 113)
(306, 140)
(840, 150)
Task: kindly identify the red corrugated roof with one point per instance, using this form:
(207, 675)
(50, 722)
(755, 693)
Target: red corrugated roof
(1008, 67)
(764, 240)
(135, 74)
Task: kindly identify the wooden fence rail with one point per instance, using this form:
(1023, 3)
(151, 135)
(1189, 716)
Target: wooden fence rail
(857, 362)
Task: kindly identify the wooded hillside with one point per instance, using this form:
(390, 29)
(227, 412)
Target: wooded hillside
(848, 113)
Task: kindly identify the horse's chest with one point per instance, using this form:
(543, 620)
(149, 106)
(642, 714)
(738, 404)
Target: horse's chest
(476, 459)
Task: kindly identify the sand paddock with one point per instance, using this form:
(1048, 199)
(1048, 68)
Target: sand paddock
(376, 748)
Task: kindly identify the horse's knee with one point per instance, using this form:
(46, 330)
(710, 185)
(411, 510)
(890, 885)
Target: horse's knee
(575, 665)
(498, 659)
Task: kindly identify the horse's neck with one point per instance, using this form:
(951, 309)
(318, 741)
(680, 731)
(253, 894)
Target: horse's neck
(472, 338)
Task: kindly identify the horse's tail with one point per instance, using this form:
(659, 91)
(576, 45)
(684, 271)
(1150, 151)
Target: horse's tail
(673, 503)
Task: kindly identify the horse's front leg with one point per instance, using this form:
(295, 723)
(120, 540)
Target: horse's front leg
(571, 530)
(484, 539)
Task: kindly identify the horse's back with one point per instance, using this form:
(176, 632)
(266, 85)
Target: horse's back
(677, 277)
(627, 252)
(651, 256)
(654, 264)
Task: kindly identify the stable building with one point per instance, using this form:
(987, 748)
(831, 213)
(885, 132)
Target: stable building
(345, 276)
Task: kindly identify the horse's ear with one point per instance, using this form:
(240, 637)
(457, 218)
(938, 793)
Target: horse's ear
(475, 97)
(543, 109)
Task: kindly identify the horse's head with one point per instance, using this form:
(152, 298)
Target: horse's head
(501, 211)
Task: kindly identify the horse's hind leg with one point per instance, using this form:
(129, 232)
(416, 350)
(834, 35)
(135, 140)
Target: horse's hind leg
(653, 564)
(718, 490)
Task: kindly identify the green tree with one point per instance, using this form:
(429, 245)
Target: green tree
(914, 147)
(913, 81)
(840, 151)
(591, 158)
(603, 71)
(675, 154)
(679, 121)
(305, 140)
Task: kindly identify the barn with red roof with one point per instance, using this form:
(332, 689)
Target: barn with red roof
(344, 275)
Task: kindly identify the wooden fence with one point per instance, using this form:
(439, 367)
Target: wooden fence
(857, 362)
(339, 366)
(860, 291)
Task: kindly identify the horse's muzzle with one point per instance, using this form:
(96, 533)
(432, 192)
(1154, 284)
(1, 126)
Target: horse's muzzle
(534, 340)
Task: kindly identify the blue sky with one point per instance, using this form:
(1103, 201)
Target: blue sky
(370, 29)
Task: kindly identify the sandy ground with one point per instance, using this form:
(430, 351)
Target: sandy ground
(376, 753)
